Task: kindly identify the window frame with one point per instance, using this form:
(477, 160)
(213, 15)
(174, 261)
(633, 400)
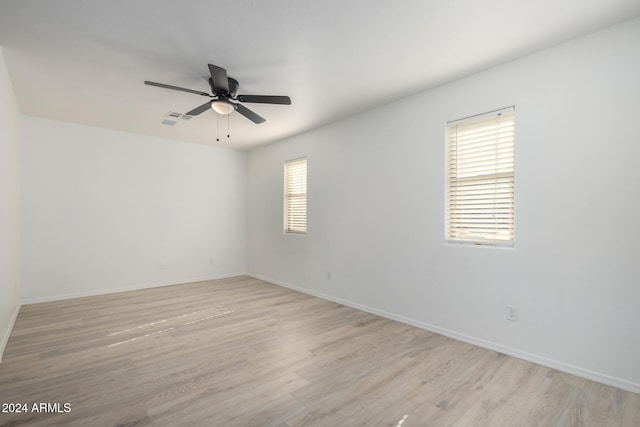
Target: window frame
(288, 225)
(461, 234)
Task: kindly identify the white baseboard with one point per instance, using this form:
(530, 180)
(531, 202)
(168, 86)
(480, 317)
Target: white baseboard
(530, 357)
(95, 292)
(7, 332)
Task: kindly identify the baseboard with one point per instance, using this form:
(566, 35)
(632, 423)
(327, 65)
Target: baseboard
(530, 357)
(96, 292)
(7, 332)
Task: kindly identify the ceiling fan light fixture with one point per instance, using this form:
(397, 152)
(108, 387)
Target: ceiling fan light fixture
(223, 107)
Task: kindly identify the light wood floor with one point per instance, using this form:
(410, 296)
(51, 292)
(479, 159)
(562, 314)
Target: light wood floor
(242, 352)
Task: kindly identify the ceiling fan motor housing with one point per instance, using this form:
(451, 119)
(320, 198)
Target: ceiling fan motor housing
(233, 87)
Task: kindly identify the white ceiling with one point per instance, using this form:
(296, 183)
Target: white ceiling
(85, 61)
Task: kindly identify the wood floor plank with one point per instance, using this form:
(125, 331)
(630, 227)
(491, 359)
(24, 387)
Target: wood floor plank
(243, 352)
(631, 414)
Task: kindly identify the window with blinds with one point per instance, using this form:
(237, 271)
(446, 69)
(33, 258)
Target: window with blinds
(480, 179)
(295, 196)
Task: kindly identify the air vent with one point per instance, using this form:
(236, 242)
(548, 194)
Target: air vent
(171, 118)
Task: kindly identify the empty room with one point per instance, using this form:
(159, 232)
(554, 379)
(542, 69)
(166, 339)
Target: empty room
(297, 213)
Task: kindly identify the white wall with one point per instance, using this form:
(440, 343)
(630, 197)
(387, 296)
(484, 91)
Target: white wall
(9, 205)
(376, 212)
(106, 211)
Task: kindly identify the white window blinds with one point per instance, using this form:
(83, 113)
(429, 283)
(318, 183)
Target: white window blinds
(480, 202)
(295, 188)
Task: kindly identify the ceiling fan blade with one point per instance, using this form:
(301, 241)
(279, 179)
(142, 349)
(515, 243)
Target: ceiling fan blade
(197, 92)
(201, 109)
(219, 78)
(265, 99)
(249, 114)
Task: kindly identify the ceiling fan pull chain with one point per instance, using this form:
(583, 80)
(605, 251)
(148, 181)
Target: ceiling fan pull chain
(217, 127)
(228, 125)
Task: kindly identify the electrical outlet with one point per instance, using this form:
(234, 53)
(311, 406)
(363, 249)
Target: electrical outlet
(328, 275)
(512, 313)
(210, 261)
(161, 266)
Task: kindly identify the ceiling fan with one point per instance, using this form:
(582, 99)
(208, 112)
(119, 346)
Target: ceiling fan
(224, 91)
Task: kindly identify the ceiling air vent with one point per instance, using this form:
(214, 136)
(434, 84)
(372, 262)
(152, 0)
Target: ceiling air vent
(171, 118)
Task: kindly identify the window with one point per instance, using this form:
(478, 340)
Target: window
(480, 179)
(295, 196)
